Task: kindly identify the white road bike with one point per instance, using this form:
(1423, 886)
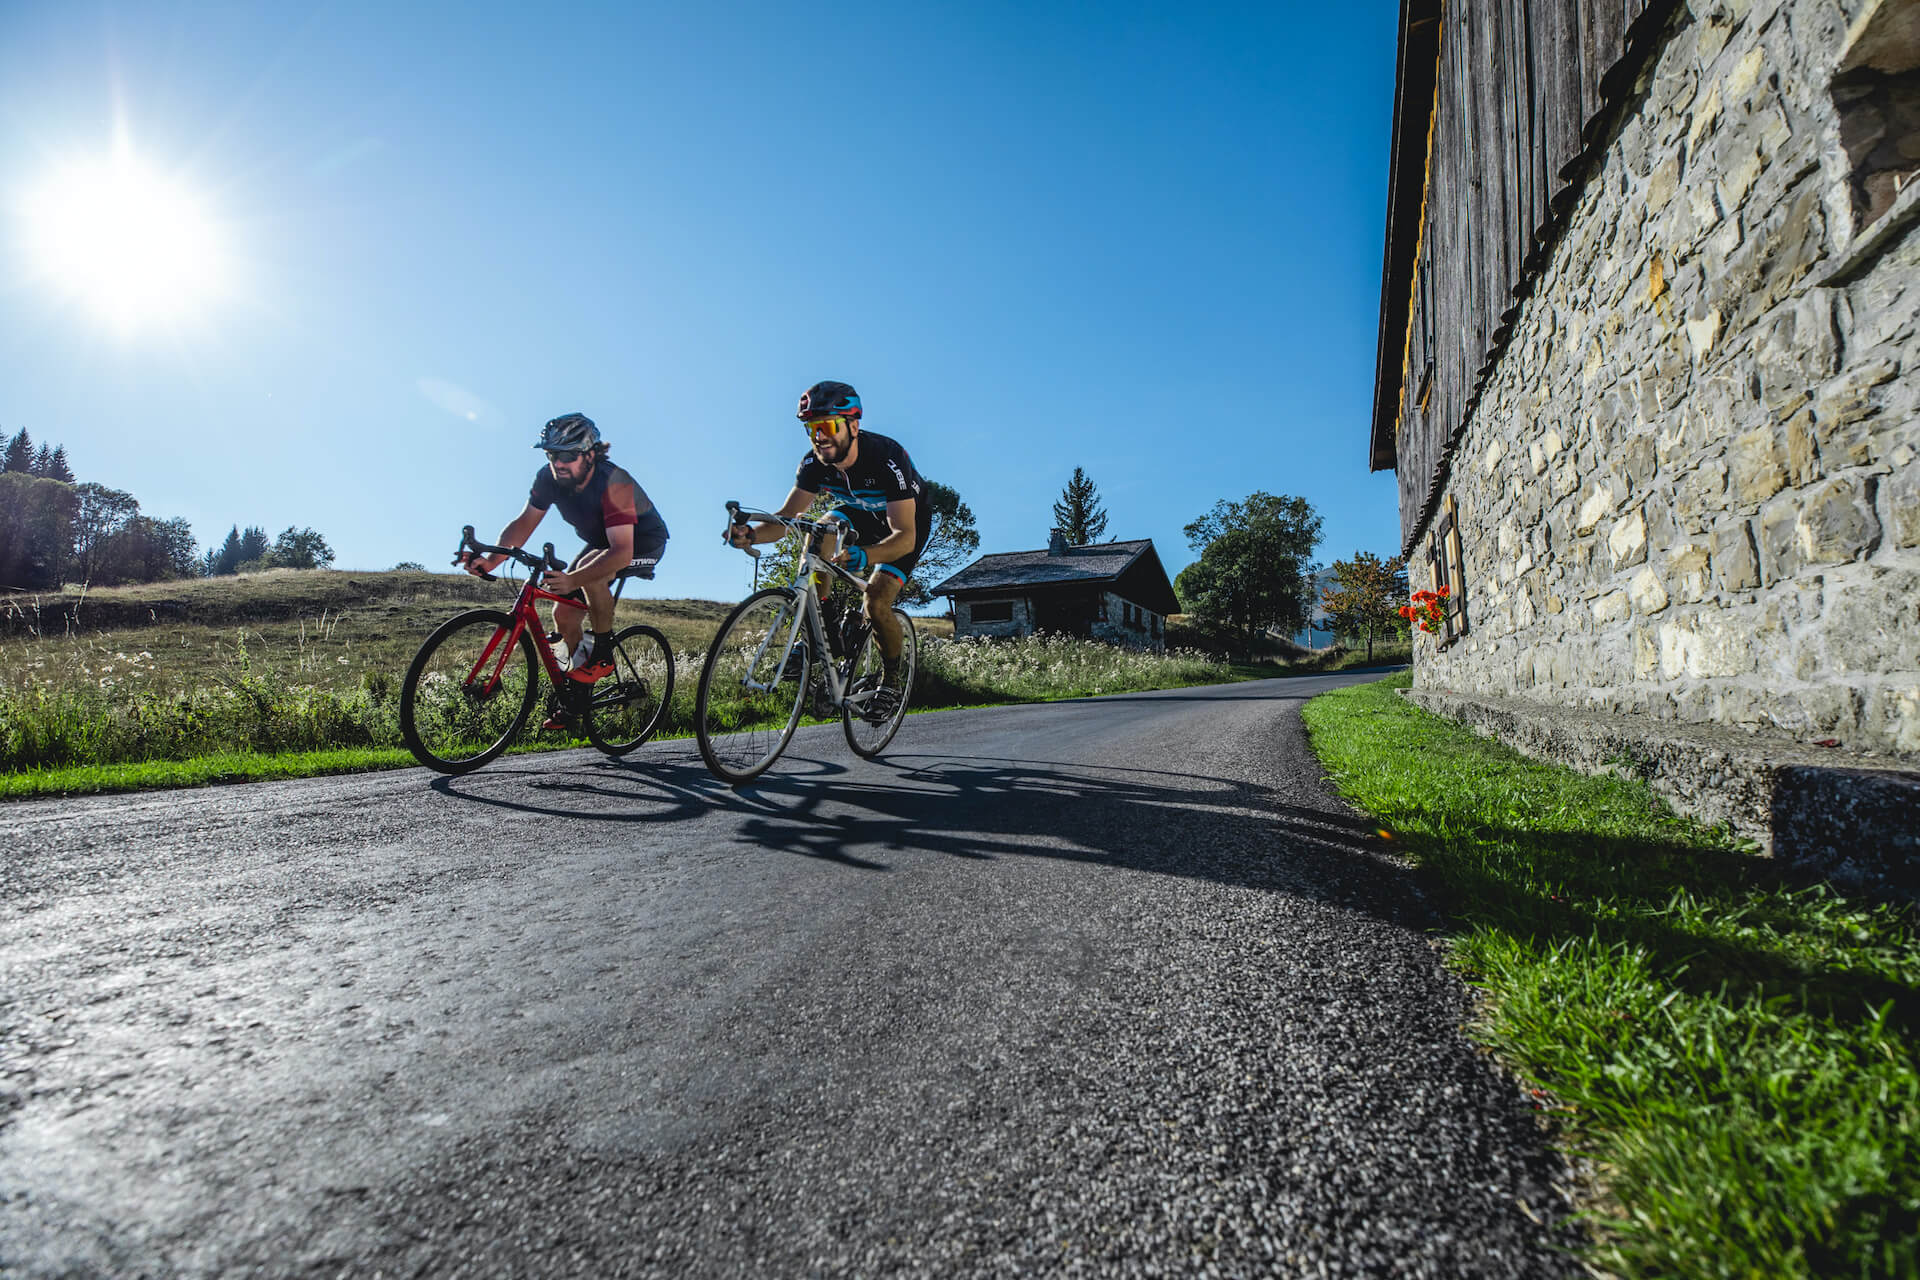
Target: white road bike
(776, 645)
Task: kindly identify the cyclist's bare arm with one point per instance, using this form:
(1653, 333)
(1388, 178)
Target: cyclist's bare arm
(798, 500)
(514, 535)
(598, 566)
(898, 542)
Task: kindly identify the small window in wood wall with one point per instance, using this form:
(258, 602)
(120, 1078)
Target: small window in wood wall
(1449, 570)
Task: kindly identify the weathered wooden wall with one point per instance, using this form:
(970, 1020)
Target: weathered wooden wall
(1522, 88)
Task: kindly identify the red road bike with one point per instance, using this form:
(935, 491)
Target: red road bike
(475, 680)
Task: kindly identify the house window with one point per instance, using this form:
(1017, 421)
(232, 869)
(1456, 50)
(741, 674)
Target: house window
(1876, 91)
(992, 611)
(1444, 558)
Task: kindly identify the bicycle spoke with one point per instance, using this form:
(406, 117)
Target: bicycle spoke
(628, 706)
(869, 730)
(467, 693)
(750, 693)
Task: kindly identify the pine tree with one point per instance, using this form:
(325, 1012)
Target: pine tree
(57, 469)
(1079, 514)
(227, 559)
(19, 454)
(254, 546)
(43, 462)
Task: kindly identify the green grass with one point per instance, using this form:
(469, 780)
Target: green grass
(1735, 1052)
(99, 689)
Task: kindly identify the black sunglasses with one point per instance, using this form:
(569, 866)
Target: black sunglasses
(564, 456)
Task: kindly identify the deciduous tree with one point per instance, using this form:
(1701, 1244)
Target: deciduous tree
(954, 542)
(300, 549)
(1254, 561)
(36, 531)
(1364, 596)
(102, 514)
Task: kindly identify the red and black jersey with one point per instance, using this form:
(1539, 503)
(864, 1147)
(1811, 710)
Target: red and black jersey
(610, 498)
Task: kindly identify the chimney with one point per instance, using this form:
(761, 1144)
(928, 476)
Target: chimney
(1057, 542)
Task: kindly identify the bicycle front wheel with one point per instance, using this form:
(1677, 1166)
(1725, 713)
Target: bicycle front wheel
(468, 692)
(870, 728)
(753, 685)
(628, 706)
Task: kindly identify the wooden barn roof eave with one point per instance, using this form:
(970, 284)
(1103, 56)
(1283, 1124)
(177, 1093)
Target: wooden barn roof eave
(1406, 195)
(1644, 38)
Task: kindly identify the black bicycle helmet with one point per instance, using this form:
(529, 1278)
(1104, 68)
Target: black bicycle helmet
(569, 431)
(824, 398)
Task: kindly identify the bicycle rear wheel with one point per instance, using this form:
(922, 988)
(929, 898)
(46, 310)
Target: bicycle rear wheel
(868, 734)
(467, 695)
(750, 694)
(627, 707)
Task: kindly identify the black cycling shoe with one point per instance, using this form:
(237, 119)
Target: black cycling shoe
(881, 706)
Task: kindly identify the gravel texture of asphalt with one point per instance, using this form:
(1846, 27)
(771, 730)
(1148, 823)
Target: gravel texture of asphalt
(1114, 986)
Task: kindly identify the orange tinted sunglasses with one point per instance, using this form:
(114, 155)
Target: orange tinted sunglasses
(826, 428)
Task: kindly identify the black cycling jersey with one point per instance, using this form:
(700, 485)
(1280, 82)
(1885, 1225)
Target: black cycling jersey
(610, 498)
(881, 473)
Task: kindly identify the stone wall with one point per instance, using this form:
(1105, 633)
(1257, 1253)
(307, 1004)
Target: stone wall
(1689, 489)
(964, 625)
(1147, 632)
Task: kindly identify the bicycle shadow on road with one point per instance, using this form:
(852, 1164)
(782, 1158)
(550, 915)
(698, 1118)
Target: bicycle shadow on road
(1166, 823)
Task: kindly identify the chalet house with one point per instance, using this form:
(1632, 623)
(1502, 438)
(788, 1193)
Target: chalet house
(1648, 365)
(1112, 591)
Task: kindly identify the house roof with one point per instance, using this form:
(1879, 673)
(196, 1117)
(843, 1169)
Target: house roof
(1089, 564)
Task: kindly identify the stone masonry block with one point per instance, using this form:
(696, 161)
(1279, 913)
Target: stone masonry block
(1900, 498)
(1837, 522)
(1757, 469)
(1649, 596)
(1688, 573)
(1628, 540)
(1863, 634)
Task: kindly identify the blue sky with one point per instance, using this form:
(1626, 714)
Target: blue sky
(1140, 239)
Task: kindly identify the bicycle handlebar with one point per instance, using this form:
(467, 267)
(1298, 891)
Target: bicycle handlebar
(543, 562)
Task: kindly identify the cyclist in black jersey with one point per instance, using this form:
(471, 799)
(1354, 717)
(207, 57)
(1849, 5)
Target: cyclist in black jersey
(878, 496)
(610, 511)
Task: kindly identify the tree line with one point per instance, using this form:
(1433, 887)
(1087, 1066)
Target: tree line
(55, 528)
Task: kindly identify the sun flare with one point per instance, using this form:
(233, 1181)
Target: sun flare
(136, 246)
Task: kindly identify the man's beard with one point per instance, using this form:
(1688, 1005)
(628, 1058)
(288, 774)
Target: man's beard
(833, 452)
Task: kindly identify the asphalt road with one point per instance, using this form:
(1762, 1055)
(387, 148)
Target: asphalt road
(1111, 987)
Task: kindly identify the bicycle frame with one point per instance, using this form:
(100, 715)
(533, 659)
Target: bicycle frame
(811, 562)
(525, 621)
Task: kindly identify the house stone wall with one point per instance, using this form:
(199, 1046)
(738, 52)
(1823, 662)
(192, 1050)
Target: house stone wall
(1022, 623)
(1112, 627)
(1689, 488)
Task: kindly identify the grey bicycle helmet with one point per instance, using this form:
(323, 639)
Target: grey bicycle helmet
(569, 431)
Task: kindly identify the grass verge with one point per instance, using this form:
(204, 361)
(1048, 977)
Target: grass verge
(1735, 1052)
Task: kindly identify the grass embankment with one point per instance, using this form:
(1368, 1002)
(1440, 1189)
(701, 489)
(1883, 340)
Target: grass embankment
(1736, 1054)
(286, 673)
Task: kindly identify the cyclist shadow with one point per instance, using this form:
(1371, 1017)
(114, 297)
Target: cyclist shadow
(1162, 822)
(656, 790)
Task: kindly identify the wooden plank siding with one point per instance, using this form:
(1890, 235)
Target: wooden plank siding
(1523, 95)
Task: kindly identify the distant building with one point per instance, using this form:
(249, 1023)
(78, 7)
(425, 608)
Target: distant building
(1112, 591)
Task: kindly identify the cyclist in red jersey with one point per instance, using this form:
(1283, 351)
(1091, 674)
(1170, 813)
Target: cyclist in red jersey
(609, 510)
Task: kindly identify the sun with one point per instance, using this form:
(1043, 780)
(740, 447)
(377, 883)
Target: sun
(136, 246)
